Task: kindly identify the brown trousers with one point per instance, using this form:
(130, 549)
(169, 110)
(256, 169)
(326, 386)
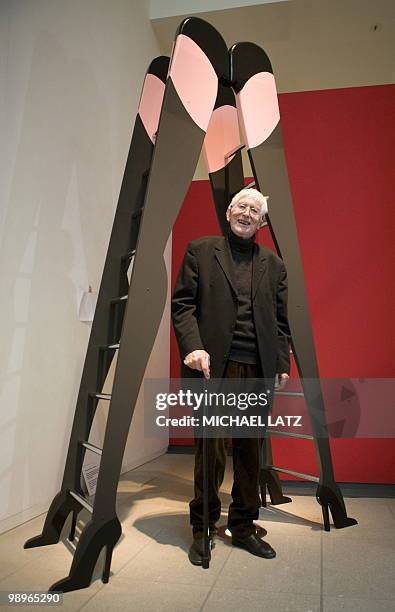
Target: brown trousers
(245, 505)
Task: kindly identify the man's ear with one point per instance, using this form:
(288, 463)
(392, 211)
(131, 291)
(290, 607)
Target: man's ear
(262, 222)
(227, 214)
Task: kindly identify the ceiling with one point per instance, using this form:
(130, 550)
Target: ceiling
(312, 44)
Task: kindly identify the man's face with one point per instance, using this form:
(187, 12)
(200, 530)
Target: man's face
(245, 217)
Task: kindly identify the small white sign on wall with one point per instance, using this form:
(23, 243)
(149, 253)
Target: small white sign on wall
(90, 472)
(87, 305)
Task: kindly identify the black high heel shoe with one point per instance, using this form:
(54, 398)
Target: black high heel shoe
(328, 499)
(95, 536)
(273, 484)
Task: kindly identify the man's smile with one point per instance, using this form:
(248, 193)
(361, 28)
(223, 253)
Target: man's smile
(245, 217)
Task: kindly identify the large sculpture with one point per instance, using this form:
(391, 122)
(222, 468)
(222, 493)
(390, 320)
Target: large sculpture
(204, 92)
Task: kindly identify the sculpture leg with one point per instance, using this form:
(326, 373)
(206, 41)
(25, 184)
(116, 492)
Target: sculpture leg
(253, 80)
(180, 134)
(113, 284)
(179, 140)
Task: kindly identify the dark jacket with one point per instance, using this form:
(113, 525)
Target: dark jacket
(204, 306)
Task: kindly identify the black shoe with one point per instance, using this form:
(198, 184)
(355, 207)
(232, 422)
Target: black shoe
(255, 546)
(195, 554)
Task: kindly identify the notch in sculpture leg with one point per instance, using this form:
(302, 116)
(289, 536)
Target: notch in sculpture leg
(58, 512)
(95, 536)
(222, 153)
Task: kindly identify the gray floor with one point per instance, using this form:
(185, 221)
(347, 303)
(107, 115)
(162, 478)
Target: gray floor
(350, 569)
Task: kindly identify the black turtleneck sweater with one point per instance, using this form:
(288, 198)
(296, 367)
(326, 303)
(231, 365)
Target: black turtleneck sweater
(244, 345)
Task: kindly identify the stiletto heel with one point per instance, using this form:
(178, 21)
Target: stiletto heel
(73, 526)
(107, 564)
(325, 516)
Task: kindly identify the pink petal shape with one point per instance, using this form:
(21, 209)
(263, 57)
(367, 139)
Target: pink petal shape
(259, 111)
(222, 137)
(195, 80)
(151, 103)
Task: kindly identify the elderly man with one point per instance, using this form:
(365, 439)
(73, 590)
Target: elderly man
(229, 312)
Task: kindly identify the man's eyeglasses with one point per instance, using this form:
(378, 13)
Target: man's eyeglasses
(254, 211)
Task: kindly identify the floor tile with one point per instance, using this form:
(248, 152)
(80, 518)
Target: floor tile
(12, 554)
(370, 513)
(359, 567)
(166, 560)
(128, 594)
(346, 604)
(257, 601)
(391, 505)
(38, 577)
(131, 543)
(296, 568)
(301, 517)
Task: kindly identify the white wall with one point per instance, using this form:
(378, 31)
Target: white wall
(70, 79)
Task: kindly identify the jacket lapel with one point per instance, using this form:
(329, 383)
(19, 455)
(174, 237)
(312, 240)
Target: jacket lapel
(259, 266)
(224, 258)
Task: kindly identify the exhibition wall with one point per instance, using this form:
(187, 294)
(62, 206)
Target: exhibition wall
(70, 80)
(339, 150)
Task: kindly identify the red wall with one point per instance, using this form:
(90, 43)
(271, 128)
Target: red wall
(339, 147)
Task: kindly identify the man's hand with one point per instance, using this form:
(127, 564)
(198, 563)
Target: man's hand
(199, 360)
(282, 381)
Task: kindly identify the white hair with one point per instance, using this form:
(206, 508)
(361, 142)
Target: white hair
(254, 195)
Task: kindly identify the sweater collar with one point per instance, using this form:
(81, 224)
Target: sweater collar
(242, 245)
